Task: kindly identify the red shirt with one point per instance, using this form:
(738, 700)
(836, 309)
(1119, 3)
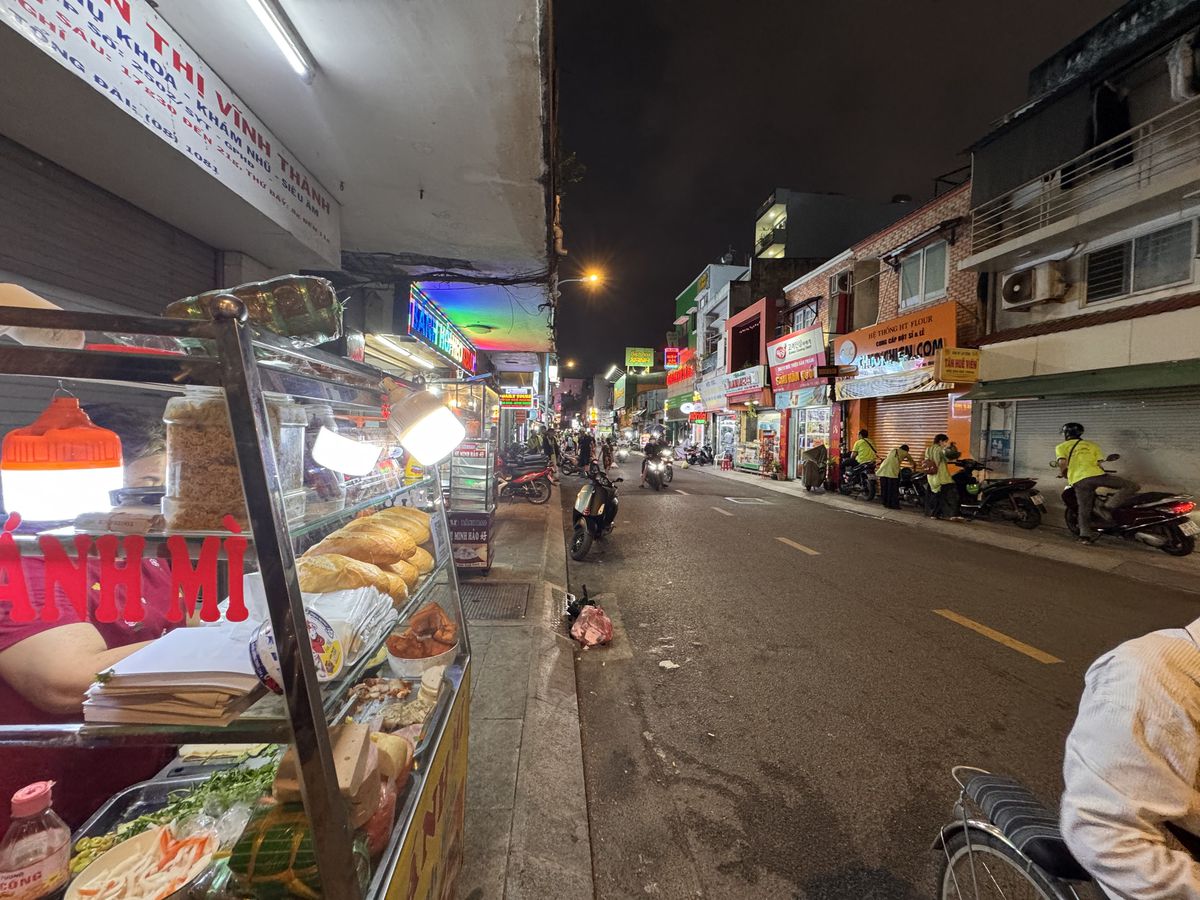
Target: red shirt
(84, 778)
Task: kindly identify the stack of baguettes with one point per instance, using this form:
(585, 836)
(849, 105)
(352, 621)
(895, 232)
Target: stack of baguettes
(387, 550)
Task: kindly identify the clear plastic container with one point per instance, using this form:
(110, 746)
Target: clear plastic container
(325, 489)
(204, 483)
(36, 851)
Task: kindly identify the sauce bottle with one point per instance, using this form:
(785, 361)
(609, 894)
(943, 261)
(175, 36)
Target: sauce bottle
(36, 850)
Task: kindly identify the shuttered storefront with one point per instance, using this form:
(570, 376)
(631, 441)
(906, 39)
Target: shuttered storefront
(911, 419)
(87, 250)
(1156, 433)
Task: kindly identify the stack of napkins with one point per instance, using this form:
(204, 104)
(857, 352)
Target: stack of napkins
(189, 676)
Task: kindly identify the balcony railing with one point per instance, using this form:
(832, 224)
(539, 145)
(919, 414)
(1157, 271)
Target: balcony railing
(1127, 163)
(777, 235)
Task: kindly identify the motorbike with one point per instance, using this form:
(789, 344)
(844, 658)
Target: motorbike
(857, 478)
(531, 482)
(1011, 499)
(622, 454)
(669, 468)
(1157, 518)
(595, 511)
(700, 456)
(913, 487)
(656, 472)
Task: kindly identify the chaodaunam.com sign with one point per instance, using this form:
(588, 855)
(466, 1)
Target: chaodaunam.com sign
(129, 54)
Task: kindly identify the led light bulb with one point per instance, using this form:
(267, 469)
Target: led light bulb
(425, 428)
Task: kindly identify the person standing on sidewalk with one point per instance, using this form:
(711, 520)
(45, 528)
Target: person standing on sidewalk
(1079, 462)
(889, 475)
(942, 496)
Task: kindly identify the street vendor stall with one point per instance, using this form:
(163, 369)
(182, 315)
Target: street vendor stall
(302, 654)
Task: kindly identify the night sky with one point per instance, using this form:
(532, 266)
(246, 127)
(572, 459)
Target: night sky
(688, 114)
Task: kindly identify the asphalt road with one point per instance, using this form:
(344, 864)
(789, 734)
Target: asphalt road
(803, 746)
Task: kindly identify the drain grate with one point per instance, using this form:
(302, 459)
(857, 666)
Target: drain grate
(495, 600)
(747, 500)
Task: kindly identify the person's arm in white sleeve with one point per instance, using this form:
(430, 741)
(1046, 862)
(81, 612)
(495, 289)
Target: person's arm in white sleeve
(1127, 771)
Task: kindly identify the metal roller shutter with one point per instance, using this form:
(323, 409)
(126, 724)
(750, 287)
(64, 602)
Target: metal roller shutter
(911, 419)
(1157, 435)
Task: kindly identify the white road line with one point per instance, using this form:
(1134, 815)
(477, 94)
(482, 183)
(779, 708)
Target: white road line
(809, 550)
(685, 493)
(723, 512)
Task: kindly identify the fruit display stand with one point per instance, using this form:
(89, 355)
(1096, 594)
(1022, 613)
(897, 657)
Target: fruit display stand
(250, 368)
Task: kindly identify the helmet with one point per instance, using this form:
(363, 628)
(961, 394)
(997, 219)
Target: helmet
(1072, 430)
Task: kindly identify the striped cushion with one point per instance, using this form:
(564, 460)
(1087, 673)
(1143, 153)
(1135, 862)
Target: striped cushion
(1026, 822)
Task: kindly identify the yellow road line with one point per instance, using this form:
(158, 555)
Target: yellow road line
(723, 512)
(685, 493)
(809, 550)
(999, 637)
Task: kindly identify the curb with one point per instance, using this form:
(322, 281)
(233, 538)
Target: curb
(1179, 574)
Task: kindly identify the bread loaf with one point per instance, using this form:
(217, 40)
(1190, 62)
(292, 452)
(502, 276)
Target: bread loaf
(417, 531)
(423, 560)
(406, 570)
(334, 572)
(408, 511)
(396, 588)
(378, 546)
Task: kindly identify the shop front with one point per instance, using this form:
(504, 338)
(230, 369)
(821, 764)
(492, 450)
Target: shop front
(794, 360)
(747, 395)
(720, 423)
(681, 389)
(891, 387)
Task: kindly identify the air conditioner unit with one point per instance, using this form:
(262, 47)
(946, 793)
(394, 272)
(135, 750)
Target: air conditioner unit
(1040, 284)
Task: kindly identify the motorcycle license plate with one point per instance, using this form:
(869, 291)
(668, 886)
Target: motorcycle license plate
(1189, 527)
(1039, 500)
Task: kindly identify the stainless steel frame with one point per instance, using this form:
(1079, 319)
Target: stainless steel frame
(236, 364)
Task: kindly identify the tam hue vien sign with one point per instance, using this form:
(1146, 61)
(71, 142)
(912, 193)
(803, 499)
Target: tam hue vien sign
(129, 54)
(794, 358)
(896, 356)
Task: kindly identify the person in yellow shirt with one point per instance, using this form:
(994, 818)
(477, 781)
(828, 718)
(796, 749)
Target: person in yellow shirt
(1079, 463)
(889, 475)
(863, 450)
(942, 497)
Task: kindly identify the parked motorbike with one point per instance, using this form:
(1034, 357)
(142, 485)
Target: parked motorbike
(913, 487)
(700, 456)
(595, 511)
(568, 464)
(1011, 499)
(1157, 518)
(531, 482)
(857, 478)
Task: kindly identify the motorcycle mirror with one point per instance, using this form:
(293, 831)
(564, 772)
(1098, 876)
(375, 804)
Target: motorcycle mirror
(1113, 457)
(618, 479)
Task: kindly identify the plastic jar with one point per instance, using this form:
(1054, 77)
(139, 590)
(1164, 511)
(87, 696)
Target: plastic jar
(325, 489)
(204, 482)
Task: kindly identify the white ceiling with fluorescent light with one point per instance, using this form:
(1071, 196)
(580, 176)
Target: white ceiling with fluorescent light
(424, 119)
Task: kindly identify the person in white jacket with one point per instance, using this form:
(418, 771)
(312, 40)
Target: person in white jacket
(1132, 769)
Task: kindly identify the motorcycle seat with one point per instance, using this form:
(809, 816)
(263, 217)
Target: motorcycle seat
(1148, 497)
(1031, 826)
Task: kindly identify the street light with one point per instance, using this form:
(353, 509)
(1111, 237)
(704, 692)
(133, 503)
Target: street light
(570, 363)
(592, 278)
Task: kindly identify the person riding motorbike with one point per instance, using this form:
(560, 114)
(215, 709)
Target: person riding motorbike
(1079, 463)
(864, 451)
(653, 449)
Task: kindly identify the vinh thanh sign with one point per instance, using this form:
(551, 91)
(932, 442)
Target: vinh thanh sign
(129, 54)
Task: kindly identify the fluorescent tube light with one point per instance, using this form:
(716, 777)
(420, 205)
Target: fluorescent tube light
(282, 32)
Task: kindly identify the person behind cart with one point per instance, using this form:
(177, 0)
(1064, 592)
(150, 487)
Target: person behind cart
(45, 667)
(941, 500)
(889, 475)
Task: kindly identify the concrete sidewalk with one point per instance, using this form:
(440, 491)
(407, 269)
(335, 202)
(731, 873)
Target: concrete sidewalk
(526, 816)
(1135, 561)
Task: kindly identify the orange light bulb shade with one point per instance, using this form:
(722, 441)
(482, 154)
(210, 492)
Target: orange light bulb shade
(62, 437)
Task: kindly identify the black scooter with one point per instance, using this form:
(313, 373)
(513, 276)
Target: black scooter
(857, 478)
(700, 456)
(595, 511)
(1157, 518)
(1011, 499)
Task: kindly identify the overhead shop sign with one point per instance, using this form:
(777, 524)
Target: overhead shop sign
(516, 401)
(427, 322)
(712, 393)
(671, 358)
(896, 356)
(794, 358)
(956, 365)
(639, 357)
(128, 53)
(746, 381)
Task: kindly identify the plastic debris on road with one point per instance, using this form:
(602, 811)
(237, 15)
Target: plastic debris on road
(592, 627)
(667, 664)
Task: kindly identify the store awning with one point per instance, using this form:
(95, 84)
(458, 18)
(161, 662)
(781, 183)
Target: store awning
(1183, 373)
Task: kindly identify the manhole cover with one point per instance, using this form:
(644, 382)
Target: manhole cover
(494, 600)
(747, 500)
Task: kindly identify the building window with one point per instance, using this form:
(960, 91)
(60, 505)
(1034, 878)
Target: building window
(1151, 261)
(923, 275)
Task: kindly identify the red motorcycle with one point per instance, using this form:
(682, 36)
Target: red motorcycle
(532, 483)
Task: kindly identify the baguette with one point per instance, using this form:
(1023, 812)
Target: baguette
(378, 546)
(423, 560)
(405, 570)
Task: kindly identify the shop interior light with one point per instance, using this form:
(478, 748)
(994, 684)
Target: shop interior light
(60, 466)
(283, 33)
(425, 428)
(408, 354)
(341, 454)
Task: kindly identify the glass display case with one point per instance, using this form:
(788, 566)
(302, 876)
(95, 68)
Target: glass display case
(302, 656)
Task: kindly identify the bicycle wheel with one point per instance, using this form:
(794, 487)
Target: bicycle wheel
(1000, 873)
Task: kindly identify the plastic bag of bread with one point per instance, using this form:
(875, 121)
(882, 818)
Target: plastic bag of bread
(376, 546)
